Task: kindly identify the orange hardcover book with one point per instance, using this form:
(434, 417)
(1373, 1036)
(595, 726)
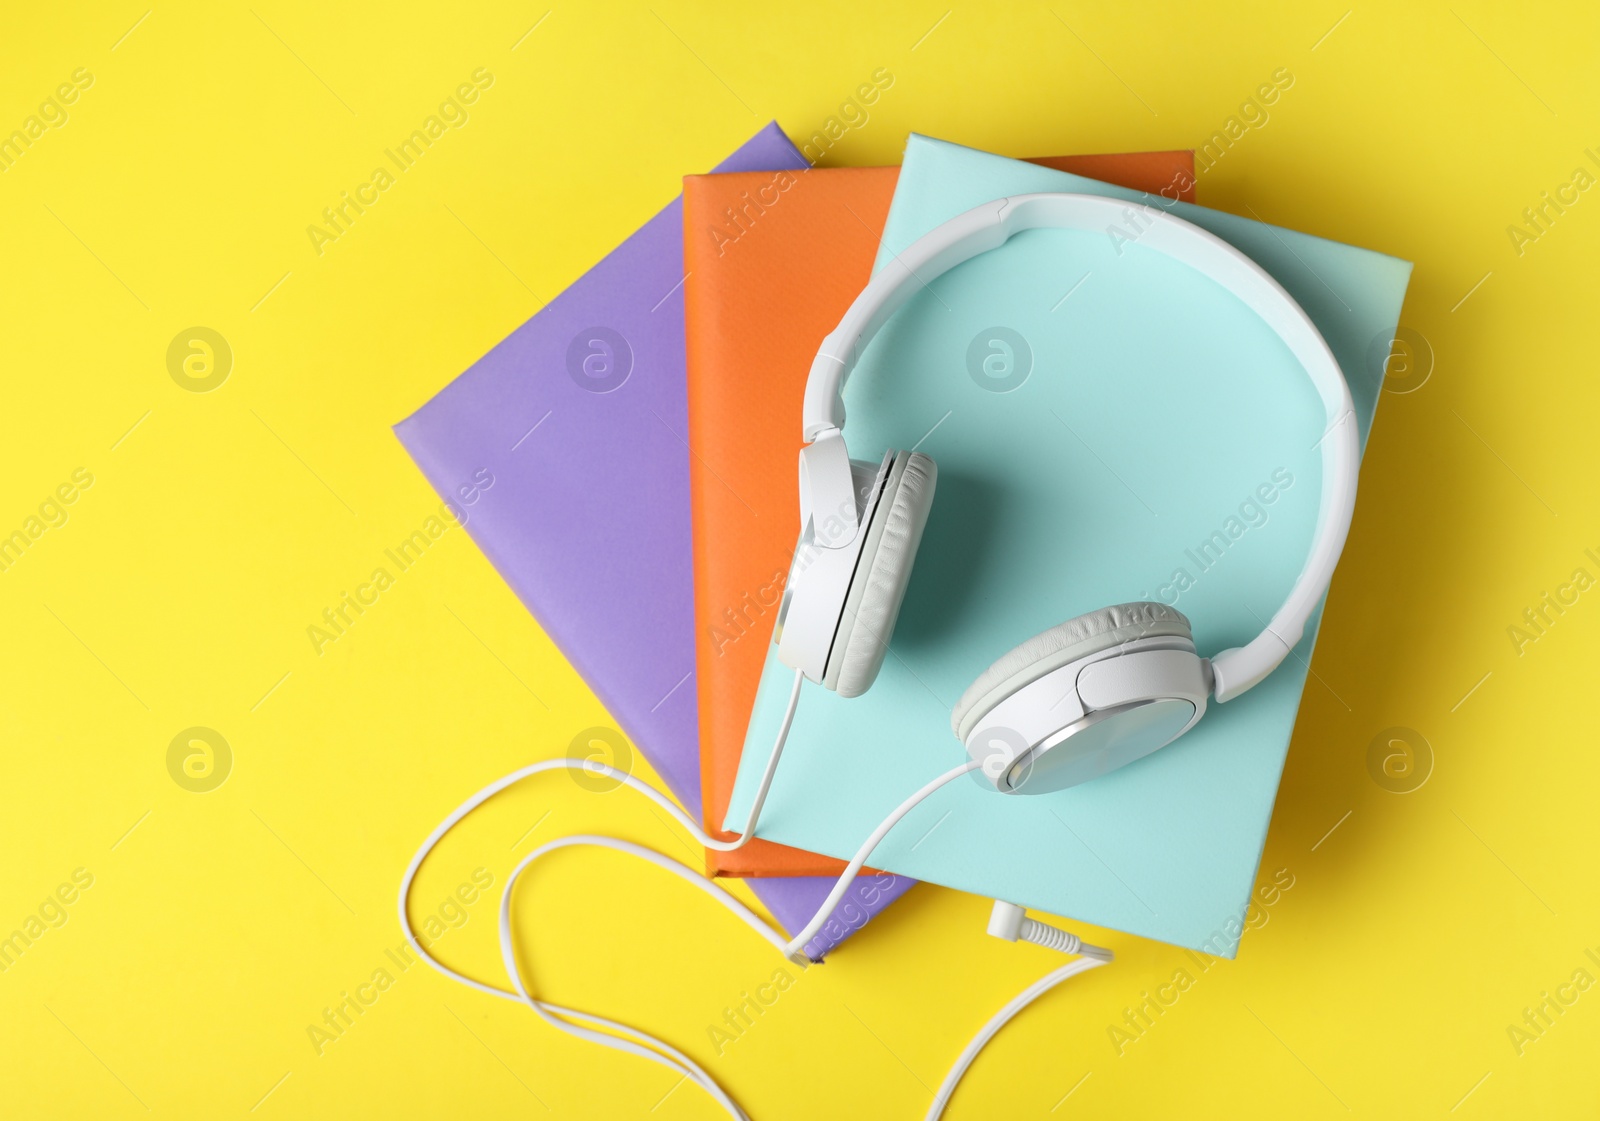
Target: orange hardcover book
(773, 260)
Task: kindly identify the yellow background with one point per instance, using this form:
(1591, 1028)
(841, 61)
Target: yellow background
(220, 525)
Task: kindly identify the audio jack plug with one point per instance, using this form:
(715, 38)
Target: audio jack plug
(1011, 922)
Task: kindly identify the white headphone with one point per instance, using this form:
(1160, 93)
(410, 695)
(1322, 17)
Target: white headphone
(1081, 699)
(1100, 690)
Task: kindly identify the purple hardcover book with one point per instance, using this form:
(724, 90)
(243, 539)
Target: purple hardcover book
(581, 416)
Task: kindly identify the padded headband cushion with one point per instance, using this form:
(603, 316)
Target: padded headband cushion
(882, 575)
(1076, 638)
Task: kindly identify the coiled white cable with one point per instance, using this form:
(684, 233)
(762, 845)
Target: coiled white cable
(584, 1025)
(569, 1020)
(631, 1040)
(682, 1064)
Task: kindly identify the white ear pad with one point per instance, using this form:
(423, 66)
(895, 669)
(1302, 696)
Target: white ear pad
(881, 576)
(1076, 638)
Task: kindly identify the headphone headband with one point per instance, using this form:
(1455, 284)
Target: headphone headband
(991, 225)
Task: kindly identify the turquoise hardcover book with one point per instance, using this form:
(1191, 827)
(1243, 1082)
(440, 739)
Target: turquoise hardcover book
(1108, 426)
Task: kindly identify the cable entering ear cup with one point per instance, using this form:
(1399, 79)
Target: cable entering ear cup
(881, 576)
(1079, 637)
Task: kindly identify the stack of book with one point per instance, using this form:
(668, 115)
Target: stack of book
(642, 430)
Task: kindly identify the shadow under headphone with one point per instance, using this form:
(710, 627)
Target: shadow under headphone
(1100, 690)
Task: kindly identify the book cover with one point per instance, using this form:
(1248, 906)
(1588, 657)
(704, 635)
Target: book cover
(580, 416)
(1150, 416)
(774, 259)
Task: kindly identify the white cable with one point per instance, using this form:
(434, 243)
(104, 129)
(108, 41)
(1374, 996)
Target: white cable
(556, 1014)
(793, 949)
(749, 830)
(584, 1025)
(796, 944)
(674, 1060)
(1026, 997)
(631, 1040)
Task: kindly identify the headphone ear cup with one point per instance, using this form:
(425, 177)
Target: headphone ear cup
(882, 575)
(1078, 637)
